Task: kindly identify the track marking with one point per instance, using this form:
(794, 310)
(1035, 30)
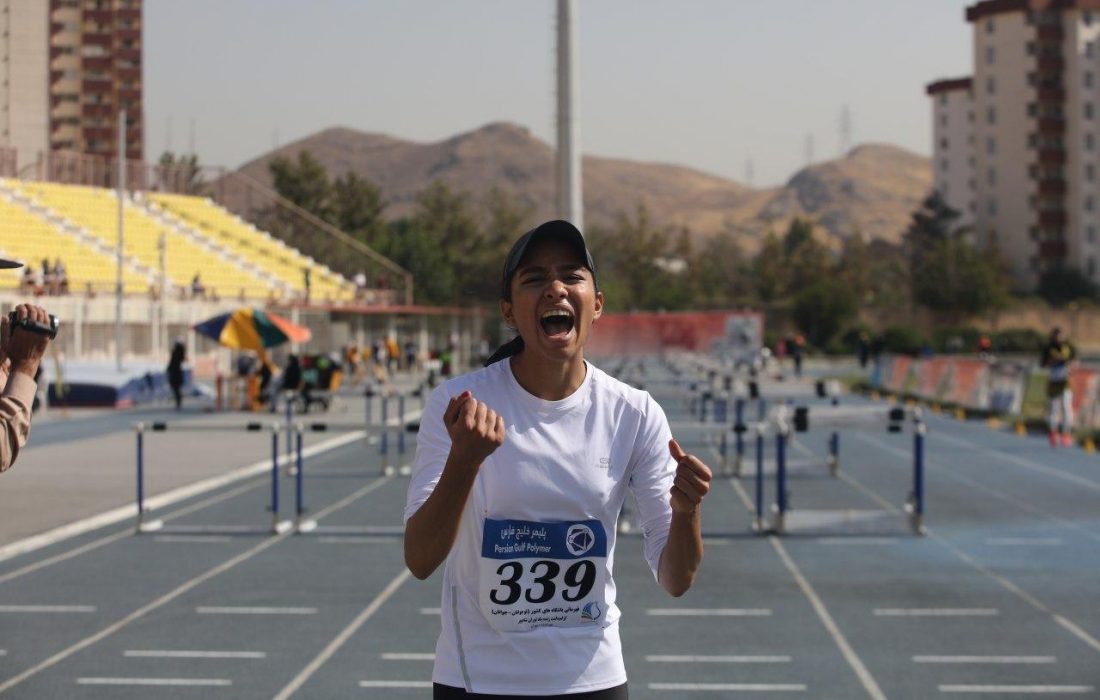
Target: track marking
(1031, 600)
(742, 687)
(1017, 689)
(395, 684)
(709, 612)
(936, 612)
(345, 634)
(373, 539)
(192, 538)
(1021, 461)
(155, 681)
(47, 608)
(261, 610)
(857, 665)
(192, 654)
(929, 464)
(397, 656)
(115, 515)
(716, 659)
(431, 611)
(857, 540)
(176, 593)
(1024, 541)
(984, 659)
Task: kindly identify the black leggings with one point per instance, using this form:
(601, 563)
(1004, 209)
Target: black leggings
(446, 692)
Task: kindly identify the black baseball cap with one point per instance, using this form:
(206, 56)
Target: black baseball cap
(8, 264)
(559, 229)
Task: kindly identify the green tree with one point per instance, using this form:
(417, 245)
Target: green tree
(356, 206)
(1060, 285)
(448, 220)
(822, 309)
(304, 182)
(770, 270)
(181, 174)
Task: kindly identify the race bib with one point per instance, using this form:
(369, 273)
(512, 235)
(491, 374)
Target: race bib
(543, 574)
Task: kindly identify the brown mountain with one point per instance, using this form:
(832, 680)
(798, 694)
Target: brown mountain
(873, 189)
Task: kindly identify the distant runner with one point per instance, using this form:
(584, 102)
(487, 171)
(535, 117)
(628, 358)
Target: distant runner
(1056, 357)
(521, 471)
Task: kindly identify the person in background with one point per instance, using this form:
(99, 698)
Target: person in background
(175, 371)
(21, 353)
(1056, 357)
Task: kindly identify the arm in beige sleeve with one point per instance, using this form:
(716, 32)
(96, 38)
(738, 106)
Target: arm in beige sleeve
(15, 416)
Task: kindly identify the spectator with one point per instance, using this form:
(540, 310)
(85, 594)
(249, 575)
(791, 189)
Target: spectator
(1056, 357)
(21, 352)
(175, 371)
(60, 277)
(198, 289)
(47, 278)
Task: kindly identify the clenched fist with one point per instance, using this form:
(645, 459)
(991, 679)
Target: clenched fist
(692, 480)
(476, 430)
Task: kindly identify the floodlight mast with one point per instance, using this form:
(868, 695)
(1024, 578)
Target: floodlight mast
(570, 202)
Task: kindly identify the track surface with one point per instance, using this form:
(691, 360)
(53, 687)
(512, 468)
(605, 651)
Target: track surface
(1000, 599)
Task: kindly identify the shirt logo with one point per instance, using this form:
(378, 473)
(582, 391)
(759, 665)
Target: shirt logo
(591, 612)
(605, 463)
(579, 539)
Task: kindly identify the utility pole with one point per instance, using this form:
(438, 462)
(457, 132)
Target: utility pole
(121, 218)
(570, 201)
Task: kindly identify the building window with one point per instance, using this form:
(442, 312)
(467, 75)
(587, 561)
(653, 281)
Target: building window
(992, 208)
(943, 165)
(1091, 266)
(990, 85)
(991, 176)
(943, 143)
(1090, 231)
(989, 26)
(1086, 78)
(991, 145)
(943, 120)
(1090, 48)
(990, 55)
(991, 116)
(1086, 17)
(1090, 172)
(1089, 203)
(1088, 110)
(1089, 141)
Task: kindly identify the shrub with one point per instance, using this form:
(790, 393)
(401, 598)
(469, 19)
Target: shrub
(1019, 340)
(905, 340)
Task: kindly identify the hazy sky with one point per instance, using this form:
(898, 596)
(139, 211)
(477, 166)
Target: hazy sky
(709, 84)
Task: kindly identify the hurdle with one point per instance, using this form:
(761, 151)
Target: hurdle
(785, 520)
(142, 525)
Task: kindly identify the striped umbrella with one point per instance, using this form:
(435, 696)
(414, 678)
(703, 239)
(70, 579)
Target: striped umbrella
(251, 329)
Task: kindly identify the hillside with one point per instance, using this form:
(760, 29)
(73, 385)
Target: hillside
(873, 189)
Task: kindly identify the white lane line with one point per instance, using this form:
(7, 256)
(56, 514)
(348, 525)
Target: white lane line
(47, 608)
(259, 610)
(192, 654)
(1024, 541)
(111, 517)
(192, 538)
(155, 681)
(930, 659)
(742, 687)
(857, 540)
(1031, 600)
(716, 659)
(856, 664)
(1021, 462)
(709, 612)
(3, 652)
(430, 611)
(177, 592)
(1018, 689)
(344, 635)
(936, 612)
(370, 539)
(395, 684)
(366, 529)
(399, 656)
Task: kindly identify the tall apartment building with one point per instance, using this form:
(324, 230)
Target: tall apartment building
(70, 66)
(1035, 96)
(953, 134)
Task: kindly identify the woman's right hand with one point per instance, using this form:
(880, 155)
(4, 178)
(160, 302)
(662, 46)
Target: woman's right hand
(476, 430)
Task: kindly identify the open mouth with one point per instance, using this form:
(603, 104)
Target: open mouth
(556, 322)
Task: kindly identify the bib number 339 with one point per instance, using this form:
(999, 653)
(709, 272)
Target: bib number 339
(537, 574)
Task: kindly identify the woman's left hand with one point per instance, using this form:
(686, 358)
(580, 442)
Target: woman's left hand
(692, 480)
